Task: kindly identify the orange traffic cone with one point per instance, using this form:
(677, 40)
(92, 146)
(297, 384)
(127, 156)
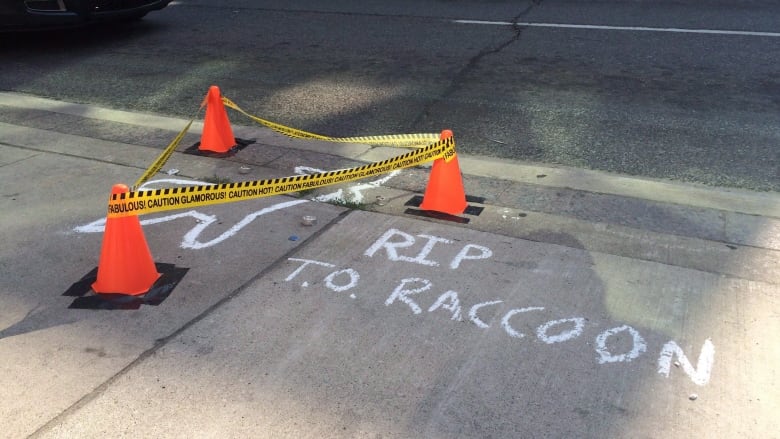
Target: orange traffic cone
(217, 134)
(126, 265)
(445, 186)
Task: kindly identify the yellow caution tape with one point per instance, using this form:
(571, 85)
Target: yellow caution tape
(401, 140)
(151, 201)
(160, 200)
(163, 157)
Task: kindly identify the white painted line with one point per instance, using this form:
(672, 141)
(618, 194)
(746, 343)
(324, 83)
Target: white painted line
(625, 28)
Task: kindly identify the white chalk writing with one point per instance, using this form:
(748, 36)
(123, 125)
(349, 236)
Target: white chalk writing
(699, 375)
(620, 344)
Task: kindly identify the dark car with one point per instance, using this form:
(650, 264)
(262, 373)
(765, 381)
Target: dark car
(51, 14)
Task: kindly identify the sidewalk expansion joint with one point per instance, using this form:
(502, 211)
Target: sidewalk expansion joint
(161, 342)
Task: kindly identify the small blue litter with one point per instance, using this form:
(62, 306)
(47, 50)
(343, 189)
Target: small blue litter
(293, 238)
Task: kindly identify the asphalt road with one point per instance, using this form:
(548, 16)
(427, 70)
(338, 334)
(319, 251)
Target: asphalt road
(699, 107)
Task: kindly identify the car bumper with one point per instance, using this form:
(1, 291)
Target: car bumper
(37, 14)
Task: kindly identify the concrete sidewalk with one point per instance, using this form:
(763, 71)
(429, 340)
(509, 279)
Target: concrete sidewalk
(575, 304)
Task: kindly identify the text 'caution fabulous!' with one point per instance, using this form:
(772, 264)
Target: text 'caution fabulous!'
(159, 200)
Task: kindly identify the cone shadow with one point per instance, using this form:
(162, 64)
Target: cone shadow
(86, 298)
(471, 210)
(240, 144)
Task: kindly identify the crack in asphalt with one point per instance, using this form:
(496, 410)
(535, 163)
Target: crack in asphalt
(471, 65)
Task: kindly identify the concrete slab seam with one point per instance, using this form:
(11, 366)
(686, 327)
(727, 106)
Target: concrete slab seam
(161, 342)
